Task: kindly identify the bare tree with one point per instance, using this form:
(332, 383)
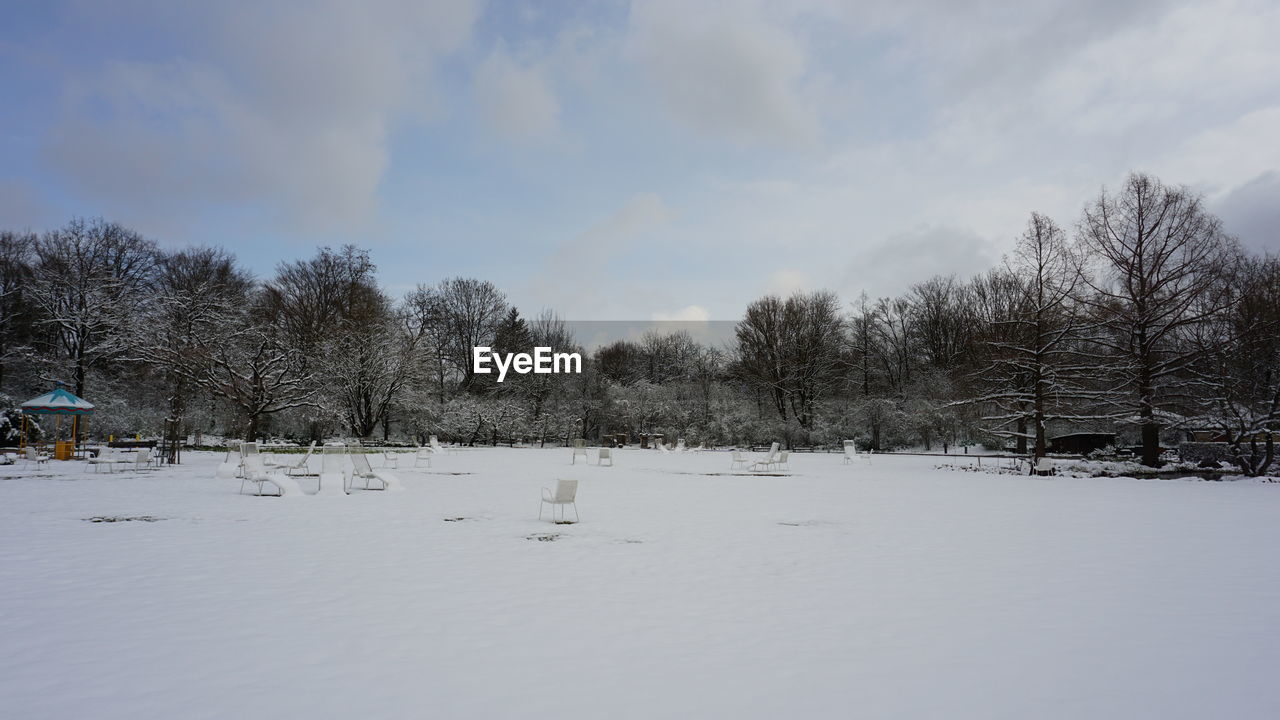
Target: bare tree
(1157, 248)
(88, 282)
(1033, 372)
(198, 295)
(16, 256)
(1239, 369)
(472, 310)
(790, 350)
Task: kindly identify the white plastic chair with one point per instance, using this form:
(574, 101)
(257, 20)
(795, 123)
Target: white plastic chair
(142, 459)
(565, 494)
(1044, 466)
(423, 456)
(32, 455)
(255, 471)
(605, 454)
(850, 450)
(579, 448)
(739, 461)
(780, 462)
(333, 469)
(295, 467)
(768, 460)
(680, 446)
(364, 470)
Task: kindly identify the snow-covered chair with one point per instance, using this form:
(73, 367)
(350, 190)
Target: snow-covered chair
(423, 456)
(297, 466)
(110, 458)
(605, 454)
(780, 462)
(850, 451)
(766, 462)
(391, 460)
(363, 470)
(142, 459)
(1043, 466)
(566, 494)
(680, 446)
(33, 455)
(738, 460)
(333, 469)
(579, 448)
(255, 471)
(662, 447)
(436, 446)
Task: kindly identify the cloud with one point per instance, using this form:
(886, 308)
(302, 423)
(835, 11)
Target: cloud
(517, 102)
(1252, 213)
(788, 281)
(915, 255)
(579, 277)
(288, 107)
(690, 313)
(724, 70)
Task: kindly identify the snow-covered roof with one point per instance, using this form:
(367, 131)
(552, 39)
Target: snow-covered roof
(57, 402)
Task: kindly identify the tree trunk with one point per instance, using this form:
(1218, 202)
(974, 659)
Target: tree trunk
(1151, 444)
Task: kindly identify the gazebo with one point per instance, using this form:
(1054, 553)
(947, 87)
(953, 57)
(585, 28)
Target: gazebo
(59, 402)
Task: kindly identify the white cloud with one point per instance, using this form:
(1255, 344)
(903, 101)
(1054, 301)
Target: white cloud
(724, 70)
(286, 106)
(787, 281)
(517, 101)
(690, 313)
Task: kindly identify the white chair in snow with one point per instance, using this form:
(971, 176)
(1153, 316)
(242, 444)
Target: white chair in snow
(255, 471)
(1043, 466)
(333, 469)
(739, 460)
(363, 470)
(680, 446)
(142, 459)
(780, 462)
(247, 450)
(297, 466)
(423, 456)
(605, 454)
(579, 448)
(662, 447)
(436, 446)
(565, 494)
(850, 450)
(33, 455)
(391, 460)
(768, 460)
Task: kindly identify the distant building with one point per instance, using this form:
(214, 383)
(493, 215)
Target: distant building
(1080, 443)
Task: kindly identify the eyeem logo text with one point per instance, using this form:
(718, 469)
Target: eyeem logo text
(541, 362)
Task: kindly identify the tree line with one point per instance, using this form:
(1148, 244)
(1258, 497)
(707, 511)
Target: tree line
(1144, 318)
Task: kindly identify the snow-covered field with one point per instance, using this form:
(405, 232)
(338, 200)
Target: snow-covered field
(890, 590)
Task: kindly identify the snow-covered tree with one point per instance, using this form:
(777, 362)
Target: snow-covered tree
(88, 281)
(1158, 250)
(1033, 372)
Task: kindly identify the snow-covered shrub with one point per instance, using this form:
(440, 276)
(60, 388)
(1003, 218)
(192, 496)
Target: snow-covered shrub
(1199, 452)
(11, 423)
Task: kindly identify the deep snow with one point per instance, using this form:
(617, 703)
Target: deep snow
(889, 590)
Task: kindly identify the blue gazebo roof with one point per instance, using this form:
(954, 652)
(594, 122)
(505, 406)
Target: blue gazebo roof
(57, 402)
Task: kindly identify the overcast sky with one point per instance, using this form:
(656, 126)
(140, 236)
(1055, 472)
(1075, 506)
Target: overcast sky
(638, 160)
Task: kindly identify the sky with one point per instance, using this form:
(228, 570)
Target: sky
(656, 159)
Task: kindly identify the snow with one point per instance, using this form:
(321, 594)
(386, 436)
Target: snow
(892, 589)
